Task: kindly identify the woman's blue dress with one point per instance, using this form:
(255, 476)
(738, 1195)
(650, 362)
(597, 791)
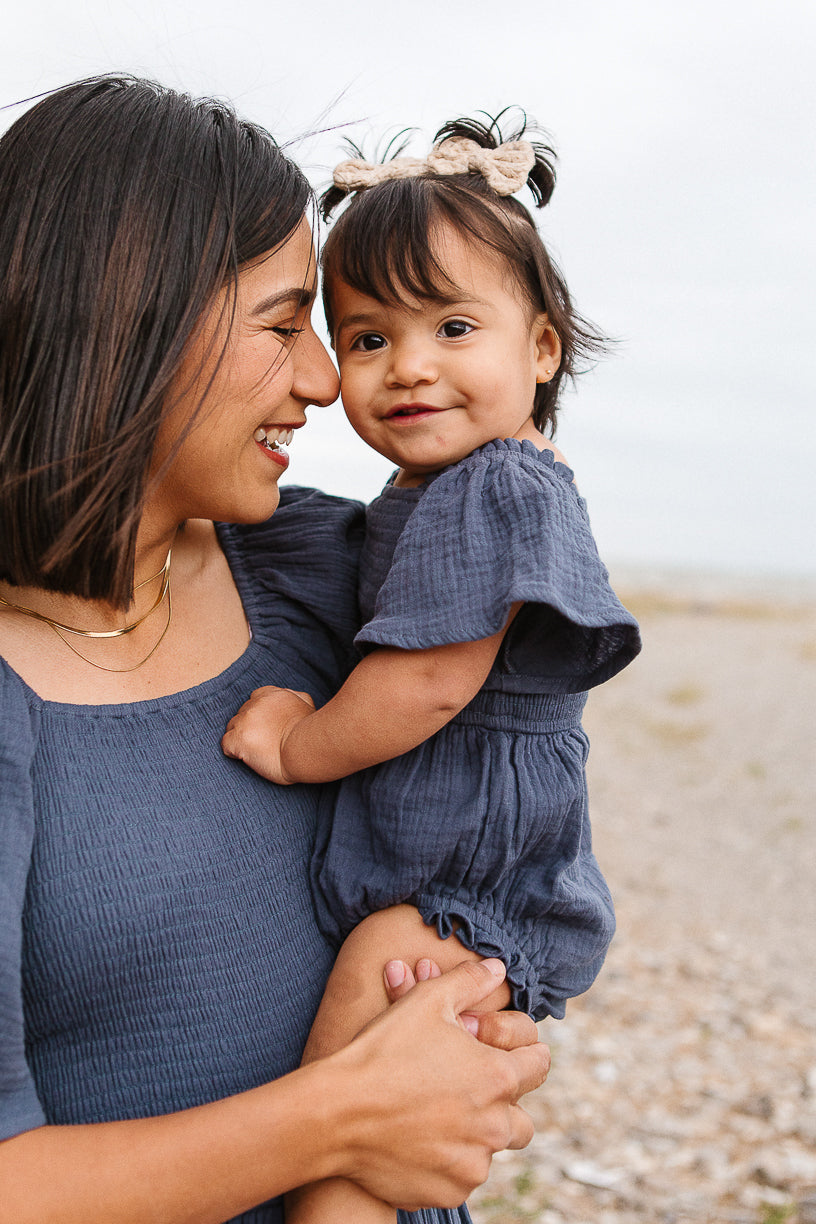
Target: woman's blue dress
(158, 941)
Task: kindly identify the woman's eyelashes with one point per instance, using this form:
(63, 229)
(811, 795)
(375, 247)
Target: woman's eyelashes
(287, 330)
(287, 326)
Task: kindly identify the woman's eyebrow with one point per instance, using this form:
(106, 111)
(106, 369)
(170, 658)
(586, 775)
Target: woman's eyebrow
(299, 299)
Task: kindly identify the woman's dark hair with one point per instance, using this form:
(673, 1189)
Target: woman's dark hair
(383, 245)
(124, 208)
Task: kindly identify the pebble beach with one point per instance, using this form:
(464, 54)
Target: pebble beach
(683, 1084)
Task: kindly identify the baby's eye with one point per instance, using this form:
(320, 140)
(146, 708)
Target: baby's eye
(369, 342)
(453, 329)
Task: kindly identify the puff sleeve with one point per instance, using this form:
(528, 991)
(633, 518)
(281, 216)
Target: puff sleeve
(506, 525)
(20, 1108)
(297, 574)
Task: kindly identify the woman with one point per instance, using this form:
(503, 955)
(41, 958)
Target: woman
(160, 957)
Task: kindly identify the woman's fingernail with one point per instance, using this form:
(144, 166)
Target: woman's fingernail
(423, 970)
(471, 1023)
(495, 966)
(395, 973)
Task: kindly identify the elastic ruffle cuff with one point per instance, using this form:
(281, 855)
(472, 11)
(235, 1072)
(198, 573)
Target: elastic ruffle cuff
(478, 932)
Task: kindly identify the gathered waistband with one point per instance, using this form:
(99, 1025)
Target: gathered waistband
(536, 712)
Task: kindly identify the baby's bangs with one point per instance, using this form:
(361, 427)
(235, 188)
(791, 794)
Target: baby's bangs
(383, 245)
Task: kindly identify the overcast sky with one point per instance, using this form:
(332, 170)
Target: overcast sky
(683, 217)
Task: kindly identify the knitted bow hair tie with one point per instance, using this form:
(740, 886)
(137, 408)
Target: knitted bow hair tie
(505, 168)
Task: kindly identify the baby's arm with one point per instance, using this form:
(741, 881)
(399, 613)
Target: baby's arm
(392, 701)
(354, 995)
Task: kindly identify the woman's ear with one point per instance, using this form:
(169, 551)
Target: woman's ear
(548, 348)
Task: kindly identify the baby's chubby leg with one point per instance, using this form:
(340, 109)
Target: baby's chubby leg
(354, 995)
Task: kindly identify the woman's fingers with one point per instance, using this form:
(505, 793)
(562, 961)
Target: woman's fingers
(435, 1105)
(470, 983)
(503, 1030)
(506, 1030)
(521, 1128)
(531, 1066)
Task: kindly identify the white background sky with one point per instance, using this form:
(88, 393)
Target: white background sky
(684, 216)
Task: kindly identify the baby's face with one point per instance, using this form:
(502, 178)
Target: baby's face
(427, 382)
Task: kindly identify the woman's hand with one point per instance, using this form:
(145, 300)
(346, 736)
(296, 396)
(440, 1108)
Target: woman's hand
(430, 1104)
(504, 1030)
(257, 733)
(413, 1109)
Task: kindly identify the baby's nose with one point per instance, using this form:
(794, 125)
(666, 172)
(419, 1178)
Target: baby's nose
(411, 364)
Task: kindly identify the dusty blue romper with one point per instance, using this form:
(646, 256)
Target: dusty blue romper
(485, 826)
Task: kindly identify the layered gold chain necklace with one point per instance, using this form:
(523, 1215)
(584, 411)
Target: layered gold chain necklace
(61, 630)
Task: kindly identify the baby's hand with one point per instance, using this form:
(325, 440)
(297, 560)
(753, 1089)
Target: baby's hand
(257, 733)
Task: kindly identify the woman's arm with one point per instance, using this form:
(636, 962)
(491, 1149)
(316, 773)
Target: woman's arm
(392, 701)
(363, 1114)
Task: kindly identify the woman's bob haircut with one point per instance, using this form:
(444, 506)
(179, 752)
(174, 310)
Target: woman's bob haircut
(125, 208)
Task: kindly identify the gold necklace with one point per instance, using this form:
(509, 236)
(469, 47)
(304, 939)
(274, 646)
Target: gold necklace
(60, 629)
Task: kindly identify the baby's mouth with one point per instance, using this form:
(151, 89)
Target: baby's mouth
(273, 438)
(409, 410)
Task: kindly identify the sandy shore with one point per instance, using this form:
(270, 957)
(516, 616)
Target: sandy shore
(683, 1085)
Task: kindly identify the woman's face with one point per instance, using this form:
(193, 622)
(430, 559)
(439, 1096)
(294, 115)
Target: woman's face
(272, 368)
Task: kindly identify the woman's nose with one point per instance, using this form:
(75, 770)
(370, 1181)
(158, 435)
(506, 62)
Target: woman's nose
(317, 381)
(411, 364)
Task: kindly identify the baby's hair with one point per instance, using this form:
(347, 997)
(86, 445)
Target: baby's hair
(383, 245)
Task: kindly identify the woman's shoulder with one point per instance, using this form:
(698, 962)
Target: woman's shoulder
(309, 528)
(15, 700)
(19, 719)
(308, 552)
(309, 516)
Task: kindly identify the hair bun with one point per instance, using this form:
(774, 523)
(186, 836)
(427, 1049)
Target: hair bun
(498, 131)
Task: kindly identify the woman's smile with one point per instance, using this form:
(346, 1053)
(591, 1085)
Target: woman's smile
(274, 441)
(225, 442)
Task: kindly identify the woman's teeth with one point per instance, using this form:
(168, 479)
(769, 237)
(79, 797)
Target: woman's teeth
(272, 438)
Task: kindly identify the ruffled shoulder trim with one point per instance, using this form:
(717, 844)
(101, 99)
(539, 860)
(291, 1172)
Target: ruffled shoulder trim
(521, 450)
(506, 525)
(307, 552)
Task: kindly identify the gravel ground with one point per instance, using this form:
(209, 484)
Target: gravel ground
(683, 1085)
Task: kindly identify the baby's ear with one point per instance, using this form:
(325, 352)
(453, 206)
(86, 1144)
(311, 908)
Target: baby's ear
(548, 347)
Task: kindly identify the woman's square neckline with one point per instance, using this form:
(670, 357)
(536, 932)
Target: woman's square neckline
(187, 696)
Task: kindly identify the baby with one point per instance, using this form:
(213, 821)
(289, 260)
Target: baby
(487, 611)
